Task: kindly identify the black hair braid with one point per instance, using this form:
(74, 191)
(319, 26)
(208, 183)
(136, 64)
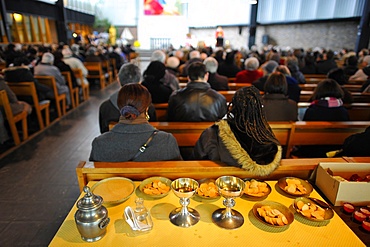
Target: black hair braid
(248, 117)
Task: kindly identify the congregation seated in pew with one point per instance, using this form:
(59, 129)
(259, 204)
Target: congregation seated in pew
(109, 110)
(276, 104)
(133, 138)
(244, 139)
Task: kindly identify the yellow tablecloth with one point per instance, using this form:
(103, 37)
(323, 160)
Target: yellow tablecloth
(301, 232)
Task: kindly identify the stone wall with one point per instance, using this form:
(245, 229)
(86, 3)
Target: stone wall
(328, 35)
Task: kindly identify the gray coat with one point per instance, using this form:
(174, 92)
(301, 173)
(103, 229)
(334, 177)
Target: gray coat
(124, 140)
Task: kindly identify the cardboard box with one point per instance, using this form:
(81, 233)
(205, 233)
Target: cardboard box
(338, 192)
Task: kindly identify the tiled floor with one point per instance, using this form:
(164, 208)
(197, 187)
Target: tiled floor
(38, 184)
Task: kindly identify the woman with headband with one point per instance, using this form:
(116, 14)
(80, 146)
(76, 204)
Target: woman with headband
(244, 139)
(133, 138)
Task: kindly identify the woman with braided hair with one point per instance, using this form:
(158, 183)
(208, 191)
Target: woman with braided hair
(133, 138)
(244, 139)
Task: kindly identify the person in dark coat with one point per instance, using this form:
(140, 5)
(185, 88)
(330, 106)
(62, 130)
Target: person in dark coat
(294, 90)
(217, 82)
(327, 105)
(267, 68)
(63, 67)
(276, 104)
(236, 142)
(351, 66)
(339, 76)
(357, 145)
(20, 72)
(152, 81)
(324, 66)
(228, 67)
(197, 101)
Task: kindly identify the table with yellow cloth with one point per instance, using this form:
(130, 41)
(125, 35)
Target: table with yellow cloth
(253, 232)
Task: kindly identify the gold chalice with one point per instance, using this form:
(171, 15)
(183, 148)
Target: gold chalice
(184, 188)
(229, 187)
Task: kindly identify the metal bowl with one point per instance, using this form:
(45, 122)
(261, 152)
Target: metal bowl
(230, 186)
(206, 196)
(256, 195)
(327, 214)
(184, 187)
(114, 190)
(282, 183)
(155, 187)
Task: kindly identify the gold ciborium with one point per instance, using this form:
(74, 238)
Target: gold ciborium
(184, 188)
(229, 187)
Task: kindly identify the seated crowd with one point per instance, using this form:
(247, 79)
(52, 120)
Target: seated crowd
(241, 135)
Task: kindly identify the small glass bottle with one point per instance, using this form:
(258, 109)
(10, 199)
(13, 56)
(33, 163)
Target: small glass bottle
(142, 215)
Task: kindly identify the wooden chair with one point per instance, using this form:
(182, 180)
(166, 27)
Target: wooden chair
(113, 63)
(95, 72)
(107, 67)
(73, 91)
(29, 89)
(60, 99)
(13, 119)
(85, 87)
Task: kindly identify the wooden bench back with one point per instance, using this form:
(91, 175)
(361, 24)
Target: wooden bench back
(73, 91)
(188, 133)
(13, 119)
(323, 133)
(95, 71)
(60, 99)
(29, 89)
(197, 169)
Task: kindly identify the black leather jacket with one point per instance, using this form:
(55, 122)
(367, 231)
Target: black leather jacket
(195, 103)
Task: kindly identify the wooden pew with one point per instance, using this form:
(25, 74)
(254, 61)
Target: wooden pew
(28, 89)
(60, 99)
(312, 87)
(320, 76)
(323, 133)
(197, 169)
(188, 133)
(13, 119)
(73, 91)
(161, 111)
(235, 86)
(358, 97)
(357, 111)
(95, 72)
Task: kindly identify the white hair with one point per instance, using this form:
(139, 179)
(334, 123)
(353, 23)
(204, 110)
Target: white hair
(47, 57)
(194, 54)
(158, 55)
(251, 63)
(211, 64)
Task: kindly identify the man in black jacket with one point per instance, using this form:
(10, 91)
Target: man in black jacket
(197, 101)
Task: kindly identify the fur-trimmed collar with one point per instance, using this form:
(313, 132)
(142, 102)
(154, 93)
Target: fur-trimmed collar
(241, 156)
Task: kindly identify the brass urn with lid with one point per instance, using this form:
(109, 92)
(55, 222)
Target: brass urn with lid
(91, 217)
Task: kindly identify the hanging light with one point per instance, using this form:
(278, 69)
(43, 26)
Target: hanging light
(252, 1)
(17, 17)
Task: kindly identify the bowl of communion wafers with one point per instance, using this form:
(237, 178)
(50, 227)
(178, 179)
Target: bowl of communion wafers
(155, 187)
(295, 186)
(207, 189)
(256, 189)
(313, 209)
